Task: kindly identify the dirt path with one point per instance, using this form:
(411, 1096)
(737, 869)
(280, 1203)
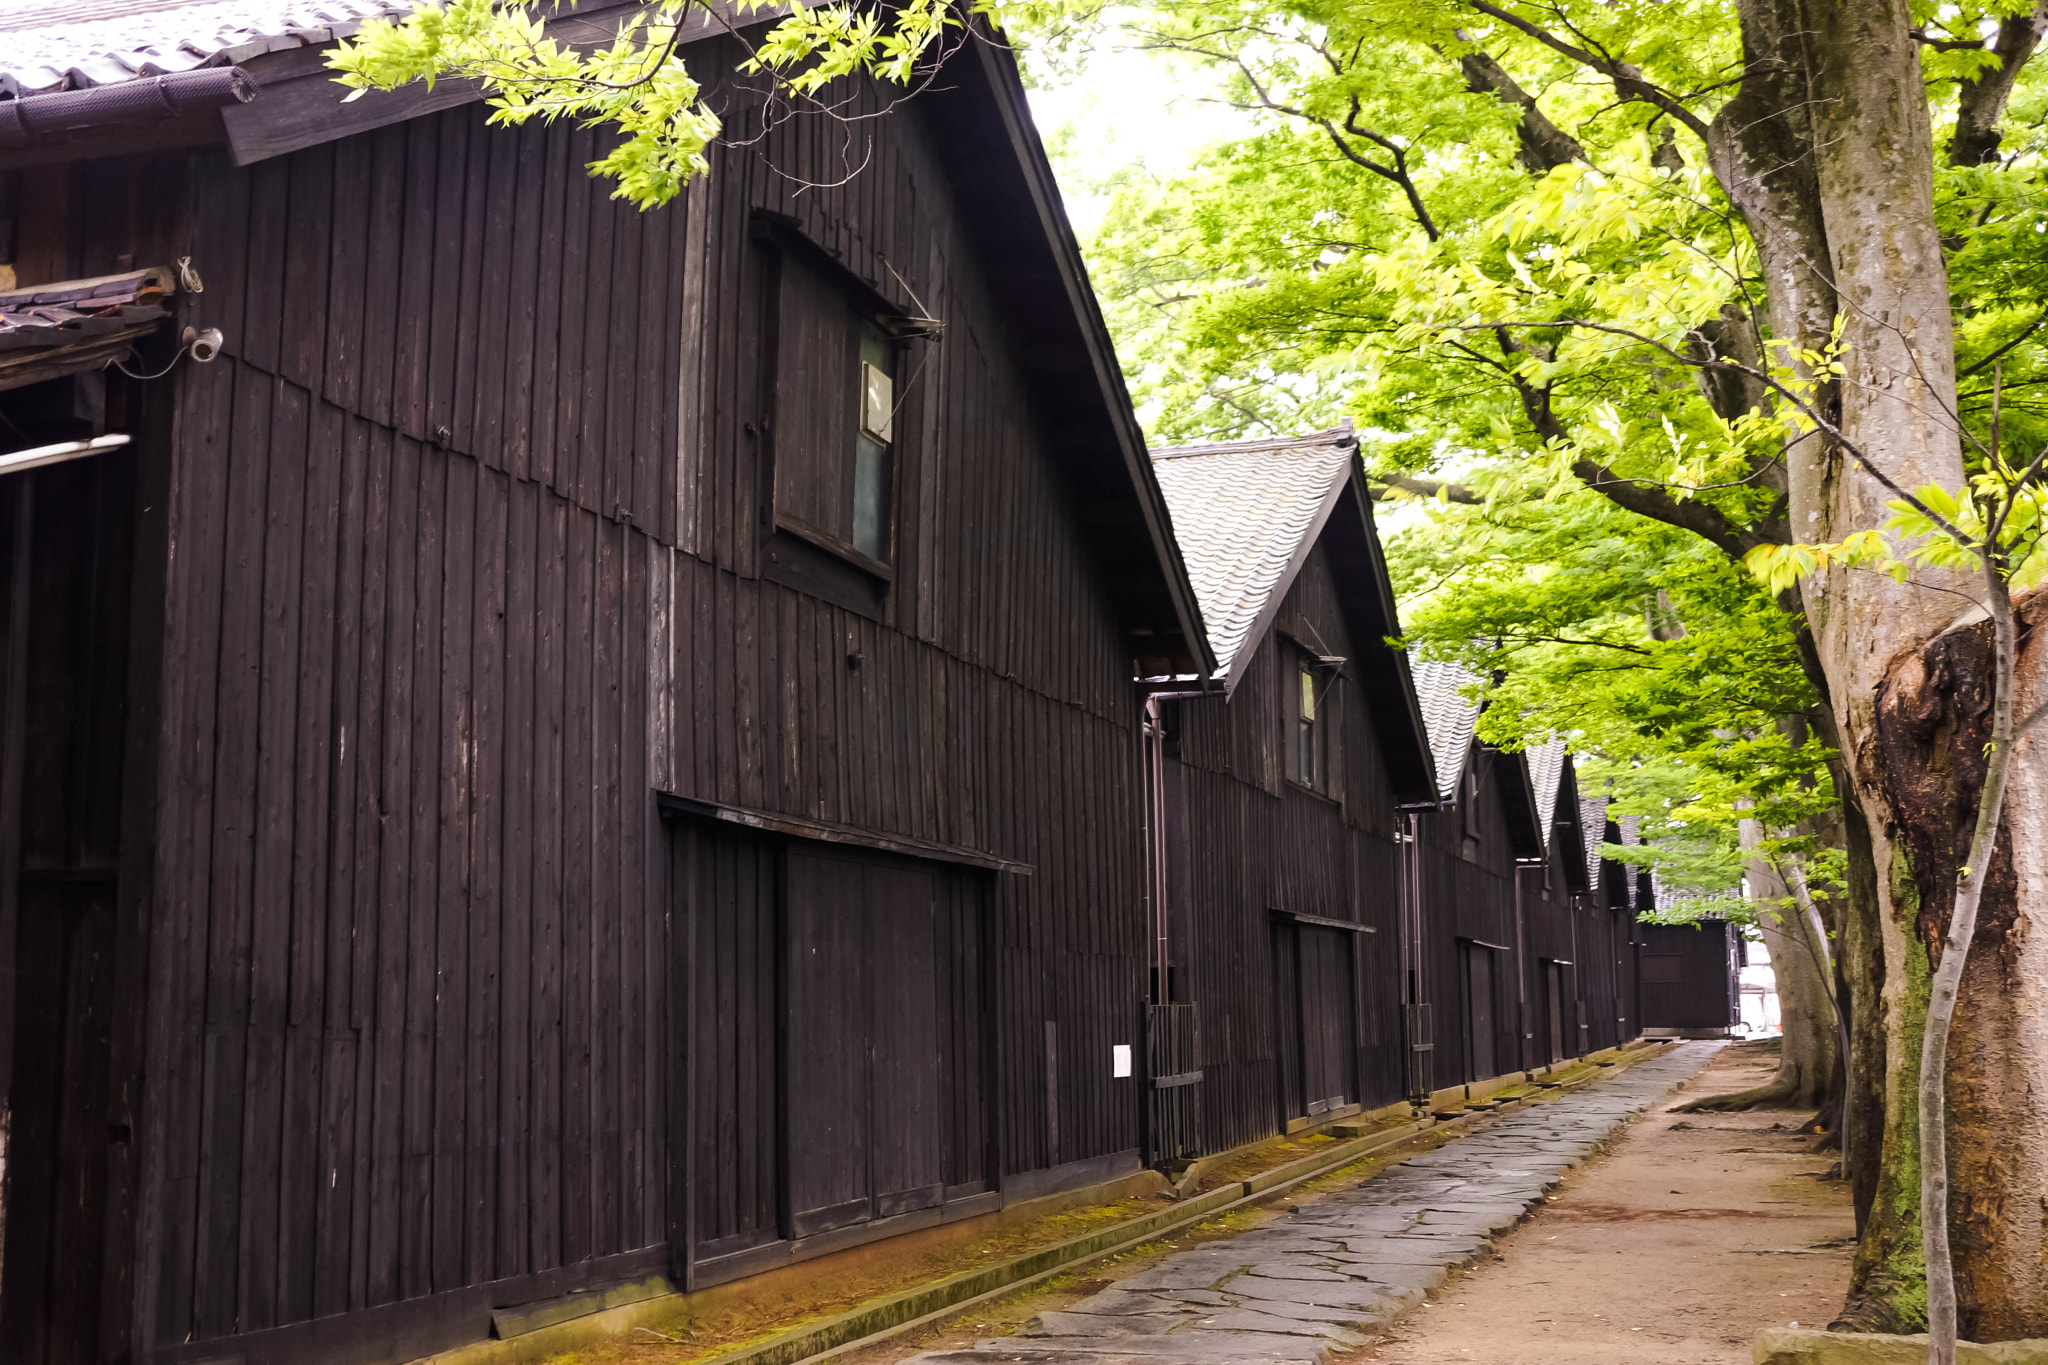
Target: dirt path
(1675, 1247)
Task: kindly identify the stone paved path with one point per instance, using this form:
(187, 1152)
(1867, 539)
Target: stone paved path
(1321, 1279)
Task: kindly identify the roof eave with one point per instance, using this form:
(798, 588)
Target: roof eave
(1397, 710)
(1028, 155)
(1269, 610)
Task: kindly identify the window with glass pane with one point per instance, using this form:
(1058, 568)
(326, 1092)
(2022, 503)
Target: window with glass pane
(1306, 768)
(835, 406)
(871, 442)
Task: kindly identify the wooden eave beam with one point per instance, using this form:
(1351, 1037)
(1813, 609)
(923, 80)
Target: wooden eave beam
(799, 827)
(299, 105)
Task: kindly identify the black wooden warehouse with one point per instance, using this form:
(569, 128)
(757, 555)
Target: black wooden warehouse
(1280, 795)
(1524, 936)
(1358, 902)
(1466, 927)
(584, 744)
(1689, 978)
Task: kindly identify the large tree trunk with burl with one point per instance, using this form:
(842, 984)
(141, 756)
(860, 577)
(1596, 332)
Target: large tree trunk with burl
(1760, 146)
(1829, 152)
(1929, 743)
(1873, 170)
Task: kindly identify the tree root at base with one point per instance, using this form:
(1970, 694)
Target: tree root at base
(1783, 1089)
(1872, 1312)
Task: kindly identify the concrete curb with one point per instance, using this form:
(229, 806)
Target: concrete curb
(1806, 1346)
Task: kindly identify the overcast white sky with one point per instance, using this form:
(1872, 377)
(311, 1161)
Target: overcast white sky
(1128, 106)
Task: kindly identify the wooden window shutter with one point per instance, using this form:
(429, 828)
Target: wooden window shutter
(817, 367)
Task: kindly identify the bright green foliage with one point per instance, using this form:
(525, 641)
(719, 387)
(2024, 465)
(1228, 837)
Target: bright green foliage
(2000, 507)
(1667, 664)
(1523, 320)
(636, 81)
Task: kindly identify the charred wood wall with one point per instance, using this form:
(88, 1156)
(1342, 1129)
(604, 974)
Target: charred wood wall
(1504, 941)
(465, 566)
(1688, 975)
(1258, 842)
(1468, 907)
(1553, 975)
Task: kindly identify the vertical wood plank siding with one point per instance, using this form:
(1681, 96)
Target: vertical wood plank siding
(1468, 894)
(466, 533)
(1689, 977)
(1257, 843)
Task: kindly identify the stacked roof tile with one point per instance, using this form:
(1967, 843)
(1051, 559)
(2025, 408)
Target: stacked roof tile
(1449, 715)
(1546, 774)
(51, 45)
(1245, 514)
(78, 310)
(1593, 824)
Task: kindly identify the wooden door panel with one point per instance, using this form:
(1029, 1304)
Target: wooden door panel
(908, 1120)
(964, 1031)
(1479, 1024)
(733, 1004)
(1328, 1011)
(1553, 990)
(827, 1046)
(1289, 1024)
(68, 999)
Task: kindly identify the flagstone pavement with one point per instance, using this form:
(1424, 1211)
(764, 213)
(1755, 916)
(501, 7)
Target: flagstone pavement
(1324, 1277)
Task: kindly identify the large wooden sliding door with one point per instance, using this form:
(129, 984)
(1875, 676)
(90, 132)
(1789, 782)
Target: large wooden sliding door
(1476, 963)
(69, 967)
(1315, 990)
(866, 1121)
(1555, 1009)
(838, 1051)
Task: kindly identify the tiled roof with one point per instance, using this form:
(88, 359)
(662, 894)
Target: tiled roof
(48, 45)
(58, 314)
(1449, 716)
(1245, 514)
(1546, 772)
(1593, 820)
(48, 330)
(1631, 829)
(1663, 894)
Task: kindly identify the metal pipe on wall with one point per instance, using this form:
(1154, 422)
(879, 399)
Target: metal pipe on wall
(1153, 733)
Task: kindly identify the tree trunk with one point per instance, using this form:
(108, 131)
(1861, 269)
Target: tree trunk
(1829, 152)
(1806, 1060)
(1873, 159)
(1933, 721)
(1799, 962)
(1998, 1055)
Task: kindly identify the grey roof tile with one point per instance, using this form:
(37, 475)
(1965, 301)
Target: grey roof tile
(1449, 716)
(48, 45)
(1245, 514)
(1546, 774)
(1593, 822)
(39, 317)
